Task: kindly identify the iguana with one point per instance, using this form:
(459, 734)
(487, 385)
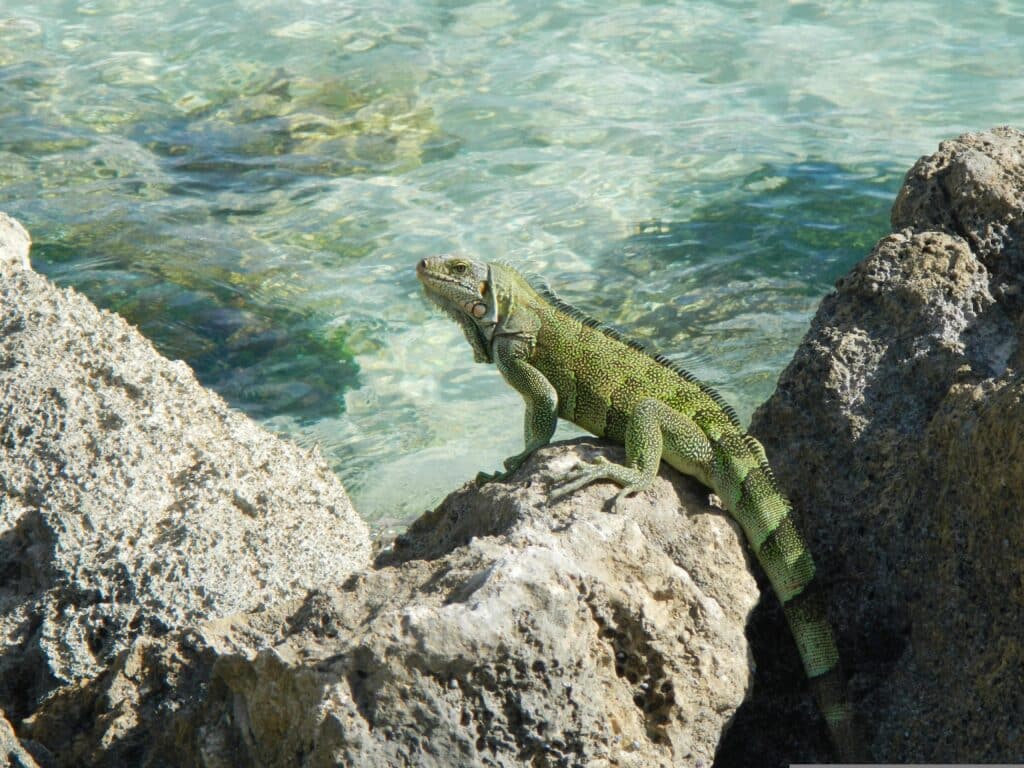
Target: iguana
(565, 364)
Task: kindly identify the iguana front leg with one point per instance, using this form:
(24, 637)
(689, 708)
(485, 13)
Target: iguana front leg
(538, 394)
(654, 429)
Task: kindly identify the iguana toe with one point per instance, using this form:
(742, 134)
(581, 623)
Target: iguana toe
(482, 478)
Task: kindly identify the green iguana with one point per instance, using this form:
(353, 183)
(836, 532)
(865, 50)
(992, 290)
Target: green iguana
(564, 364)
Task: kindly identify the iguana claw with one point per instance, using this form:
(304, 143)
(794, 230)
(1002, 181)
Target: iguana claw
(512, 463)
(483, 478)
(601, 468)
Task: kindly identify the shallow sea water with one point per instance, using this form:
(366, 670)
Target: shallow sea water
(251, 182)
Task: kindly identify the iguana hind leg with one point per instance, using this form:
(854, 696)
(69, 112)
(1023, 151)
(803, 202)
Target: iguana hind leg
(654, 429)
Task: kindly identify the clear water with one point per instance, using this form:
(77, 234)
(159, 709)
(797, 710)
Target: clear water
(251, 181)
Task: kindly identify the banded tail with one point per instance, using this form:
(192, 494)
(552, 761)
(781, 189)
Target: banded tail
(745, 483)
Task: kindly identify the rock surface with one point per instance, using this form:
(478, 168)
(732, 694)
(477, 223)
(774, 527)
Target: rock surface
(12, 753)
(137, 512)
(898, 431)
(523, 634)
(14, 244)
(132, 500)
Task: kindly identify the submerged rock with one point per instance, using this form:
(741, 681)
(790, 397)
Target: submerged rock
(522, 634)
(132, 500)
(898, 431)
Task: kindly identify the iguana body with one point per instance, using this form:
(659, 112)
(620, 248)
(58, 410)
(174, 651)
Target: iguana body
(566, 365)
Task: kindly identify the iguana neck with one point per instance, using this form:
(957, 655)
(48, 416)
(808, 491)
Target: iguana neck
(513, 309)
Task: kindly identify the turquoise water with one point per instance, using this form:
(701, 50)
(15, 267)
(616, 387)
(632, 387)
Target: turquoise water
(251, 182)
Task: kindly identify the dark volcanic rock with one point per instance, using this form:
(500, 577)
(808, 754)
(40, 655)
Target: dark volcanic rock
(898, 431)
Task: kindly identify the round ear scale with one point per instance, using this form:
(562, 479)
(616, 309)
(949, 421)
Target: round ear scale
(478, 310)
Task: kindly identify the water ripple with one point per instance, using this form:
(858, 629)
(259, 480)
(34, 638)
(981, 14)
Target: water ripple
(249, 181)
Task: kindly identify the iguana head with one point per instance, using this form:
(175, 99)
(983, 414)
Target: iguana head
(456, 284)
(491, 301)
(463, 288)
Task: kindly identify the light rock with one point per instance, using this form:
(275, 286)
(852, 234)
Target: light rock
(14, 244)
(132, 500)
(12, 752)
(526, 634)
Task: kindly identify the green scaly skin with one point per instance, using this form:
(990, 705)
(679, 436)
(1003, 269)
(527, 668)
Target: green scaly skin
(565, 365)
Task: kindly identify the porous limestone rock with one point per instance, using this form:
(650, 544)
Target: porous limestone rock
(898, 431)
(971, 188)
(14, 244)
(132, 500)
(500, 631)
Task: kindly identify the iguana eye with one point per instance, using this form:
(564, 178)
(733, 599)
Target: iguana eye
(460, 267)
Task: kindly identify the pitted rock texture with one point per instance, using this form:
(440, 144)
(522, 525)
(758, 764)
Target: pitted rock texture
(523, 634)
(971, 188)
(132, 500)
(898, 432)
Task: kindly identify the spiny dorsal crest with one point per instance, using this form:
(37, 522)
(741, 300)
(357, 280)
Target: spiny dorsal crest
(542, 287)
